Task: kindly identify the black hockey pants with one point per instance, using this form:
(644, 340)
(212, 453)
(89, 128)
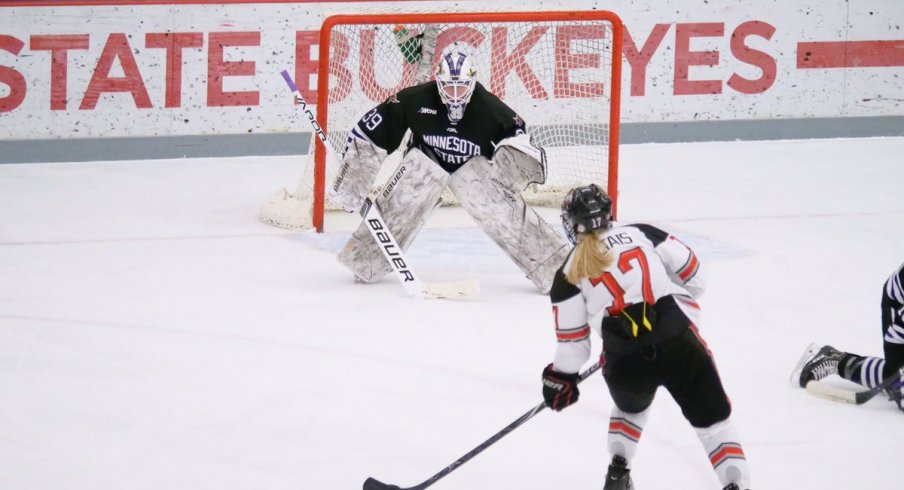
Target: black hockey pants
(682, 364)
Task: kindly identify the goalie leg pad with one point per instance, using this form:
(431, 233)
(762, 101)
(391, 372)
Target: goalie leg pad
(406, 201)
(360, 163)
(501, 212)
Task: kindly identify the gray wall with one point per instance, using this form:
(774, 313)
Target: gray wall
(104, 149)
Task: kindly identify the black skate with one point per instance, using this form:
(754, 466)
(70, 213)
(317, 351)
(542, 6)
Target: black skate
(619, 476)
(732, 486)
(815, 364)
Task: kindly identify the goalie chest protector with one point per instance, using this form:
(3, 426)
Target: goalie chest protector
(486, 121)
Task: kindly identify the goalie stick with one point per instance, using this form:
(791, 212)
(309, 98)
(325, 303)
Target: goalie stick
(381, 233)
(839, 394)
(373, 484)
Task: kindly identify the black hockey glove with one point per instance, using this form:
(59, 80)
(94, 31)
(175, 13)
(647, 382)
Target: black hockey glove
(559, 389)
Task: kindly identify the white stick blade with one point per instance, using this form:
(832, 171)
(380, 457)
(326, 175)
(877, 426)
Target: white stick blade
(829, 392)
(451, 290)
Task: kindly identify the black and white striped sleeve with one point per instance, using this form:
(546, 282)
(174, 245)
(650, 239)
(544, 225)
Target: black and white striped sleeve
(894, 301)
(894, 287)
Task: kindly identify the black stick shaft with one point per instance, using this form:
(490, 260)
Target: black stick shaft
(865, 396)
(372, 484)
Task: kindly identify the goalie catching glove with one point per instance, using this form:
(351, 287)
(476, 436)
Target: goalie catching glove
(559, 389)
(520, 161)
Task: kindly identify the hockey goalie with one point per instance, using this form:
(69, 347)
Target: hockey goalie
(463, 138)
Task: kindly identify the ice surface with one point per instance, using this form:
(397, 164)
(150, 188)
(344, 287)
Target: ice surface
(154, 335)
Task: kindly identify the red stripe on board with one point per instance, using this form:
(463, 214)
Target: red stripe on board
(850, 54)
(103, 3)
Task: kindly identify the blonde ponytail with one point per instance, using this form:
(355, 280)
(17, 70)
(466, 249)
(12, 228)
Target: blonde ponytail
(589, 259)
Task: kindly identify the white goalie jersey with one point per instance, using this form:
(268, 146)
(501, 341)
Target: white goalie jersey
(649, 264)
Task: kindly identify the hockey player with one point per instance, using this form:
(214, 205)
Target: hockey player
(465, 138)
(637, 285)
(818, 361)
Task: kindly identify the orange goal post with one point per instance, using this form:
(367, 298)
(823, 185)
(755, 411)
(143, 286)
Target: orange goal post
(559, 70)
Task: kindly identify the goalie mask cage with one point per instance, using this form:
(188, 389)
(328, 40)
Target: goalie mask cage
(559, 70)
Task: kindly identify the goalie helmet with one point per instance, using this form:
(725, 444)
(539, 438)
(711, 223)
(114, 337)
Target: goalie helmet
(455, 79)
(586, 209)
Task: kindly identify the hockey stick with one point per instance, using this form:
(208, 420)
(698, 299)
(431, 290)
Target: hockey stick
(381, 233)
(373, 484)
(839, 394)
(393, 254)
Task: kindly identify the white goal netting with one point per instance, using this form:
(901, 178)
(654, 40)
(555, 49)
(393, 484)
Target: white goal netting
(554, 69)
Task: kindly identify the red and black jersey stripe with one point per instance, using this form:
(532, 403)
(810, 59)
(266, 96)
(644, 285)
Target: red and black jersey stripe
(573, 335)
(690, 268)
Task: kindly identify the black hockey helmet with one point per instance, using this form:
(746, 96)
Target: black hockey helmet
(586, 209)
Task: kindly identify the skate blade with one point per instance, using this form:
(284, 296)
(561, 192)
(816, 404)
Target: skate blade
(808, 354)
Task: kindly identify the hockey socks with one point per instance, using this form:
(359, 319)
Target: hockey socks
(624, 432)
(723, 446)
(872, 372)
(863, 370)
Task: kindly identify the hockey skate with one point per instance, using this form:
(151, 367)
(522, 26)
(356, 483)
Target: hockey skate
(732, 486)
(816, 363)
(619, 476)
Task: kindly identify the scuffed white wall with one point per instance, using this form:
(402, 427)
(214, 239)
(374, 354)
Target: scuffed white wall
(66, 71)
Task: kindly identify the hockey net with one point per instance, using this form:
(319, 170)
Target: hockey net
(560, 71)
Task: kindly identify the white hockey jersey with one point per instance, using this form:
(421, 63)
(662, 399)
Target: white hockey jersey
(649, 264)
